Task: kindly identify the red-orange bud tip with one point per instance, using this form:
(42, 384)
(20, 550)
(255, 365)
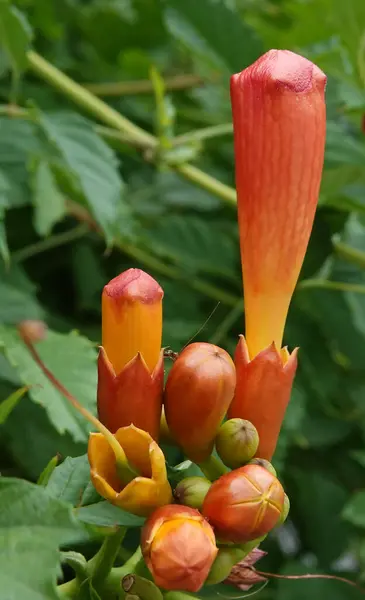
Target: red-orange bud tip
(244, 504)
(179, 548)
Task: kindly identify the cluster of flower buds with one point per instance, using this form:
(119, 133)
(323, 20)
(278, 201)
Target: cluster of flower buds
(217, 520)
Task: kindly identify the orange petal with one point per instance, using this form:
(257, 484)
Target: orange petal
(102, 467)
(136, 445)
(279, 132)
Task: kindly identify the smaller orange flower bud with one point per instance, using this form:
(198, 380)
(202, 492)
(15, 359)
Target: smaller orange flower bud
(199, 389)
(144, 493)
(179, 548)
(33, 330)
(130, 364)
(244, 504)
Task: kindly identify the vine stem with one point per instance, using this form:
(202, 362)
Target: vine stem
(143, 86)
(108, 115)
(325, 284)
(309, 576)
(101, 564)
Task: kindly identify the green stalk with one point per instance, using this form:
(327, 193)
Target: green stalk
(213, 468)
(101, 564)
(107, 115)
(325, 284)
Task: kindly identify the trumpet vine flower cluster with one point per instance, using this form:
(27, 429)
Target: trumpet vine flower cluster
(201, 529)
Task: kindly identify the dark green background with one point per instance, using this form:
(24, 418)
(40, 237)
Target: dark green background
(149, 216)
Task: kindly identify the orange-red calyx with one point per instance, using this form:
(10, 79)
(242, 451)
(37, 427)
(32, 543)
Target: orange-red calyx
(262, 393)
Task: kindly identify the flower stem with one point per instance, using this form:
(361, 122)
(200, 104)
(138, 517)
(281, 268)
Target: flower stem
(142, 86)
(54, 241)
(213, 468)
(113, 581)
(203, 134)
(325, 284)
(101, 564)
(352, 255)
(141, 587)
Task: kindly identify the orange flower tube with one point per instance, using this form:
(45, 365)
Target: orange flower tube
(130, 364)
(279, 122)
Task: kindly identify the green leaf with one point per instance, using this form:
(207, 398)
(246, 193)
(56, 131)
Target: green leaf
(354, 511)
(104, 514)
(202, 27)
(198, 245)
(6, 406)
(32, 527)
(72, 360)
(29, 456)
(17, 296)
(15, 35)
(71, 483)
(49, 202)
(92, 163)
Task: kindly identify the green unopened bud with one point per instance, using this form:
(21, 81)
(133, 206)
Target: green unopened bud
(262, 462)
(285, 511)
(237, 442)
(227, 557)
(191, 491)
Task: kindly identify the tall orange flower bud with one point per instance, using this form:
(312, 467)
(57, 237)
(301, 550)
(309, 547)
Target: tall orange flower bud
(130, 365)
(279, 134)
(244, 504)
(199, 389)
(279, 120)
(179, 548)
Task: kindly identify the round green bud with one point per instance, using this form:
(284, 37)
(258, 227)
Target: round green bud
(191, 491)
(285, 511)
(264, 463)
(236, 442)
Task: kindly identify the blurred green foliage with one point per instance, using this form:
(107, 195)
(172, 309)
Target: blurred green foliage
(82, 199)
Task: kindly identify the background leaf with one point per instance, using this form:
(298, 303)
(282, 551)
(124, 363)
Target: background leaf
(32, 525)
(71, 359)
